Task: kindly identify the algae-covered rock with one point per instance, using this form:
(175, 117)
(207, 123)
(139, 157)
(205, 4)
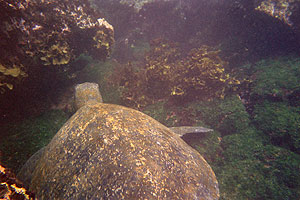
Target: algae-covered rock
(11, 188)
(279, 9)
(39, 33)
(108, 151)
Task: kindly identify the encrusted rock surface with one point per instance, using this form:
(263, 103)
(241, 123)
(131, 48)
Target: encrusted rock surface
(53, 33)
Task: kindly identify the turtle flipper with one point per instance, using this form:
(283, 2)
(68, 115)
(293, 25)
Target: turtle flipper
(182, 130)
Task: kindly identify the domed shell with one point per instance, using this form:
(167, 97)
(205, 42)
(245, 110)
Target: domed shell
(108, 151)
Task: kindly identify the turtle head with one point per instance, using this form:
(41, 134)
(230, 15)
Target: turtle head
(87, 93)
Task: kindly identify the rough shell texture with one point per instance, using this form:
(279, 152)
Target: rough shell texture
(111, 152)
(25, 174)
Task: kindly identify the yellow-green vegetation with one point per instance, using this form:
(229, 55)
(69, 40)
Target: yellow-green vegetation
(280, 9)
(22, 139)
(276, 78)
(100, 40)
(228, 116)
(260, 162)
(11, 188)
(205, 72)
(252, 170)
(15, 71)
(167, 73)
(103, 40)
(10, 75)
(254, 149)
(35, 34)
(161, 113)
(246, 164)
(280, 122)
(276, 90)
(57, 54)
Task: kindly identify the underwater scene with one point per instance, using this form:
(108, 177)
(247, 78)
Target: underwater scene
(150, 99)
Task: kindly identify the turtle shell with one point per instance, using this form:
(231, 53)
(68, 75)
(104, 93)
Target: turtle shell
(107, 151)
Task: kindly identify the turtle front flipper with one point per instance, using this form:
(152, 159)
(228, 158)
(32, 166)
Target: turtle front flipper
(183, 130)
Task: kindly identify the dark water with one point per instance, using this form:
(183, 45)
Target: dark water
(232, 66)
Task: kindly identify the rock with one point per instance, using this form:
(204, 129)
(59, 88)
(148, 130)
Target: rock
(71, 28)
(11, 188)
(279, 9)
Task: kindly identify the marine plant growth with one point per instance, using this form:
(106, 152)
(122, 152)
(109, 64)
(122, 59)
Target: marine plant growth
(168, 73)
(20, 140)
(35, 34)
(254, 149)
(275, 95)
(260, 149)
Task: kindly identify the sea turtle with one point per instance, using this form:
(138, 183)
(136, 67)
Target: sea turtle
(107, 151)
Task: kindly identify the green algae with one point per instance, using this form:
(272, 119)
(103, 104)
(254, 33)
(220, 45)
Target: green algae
(20, 140)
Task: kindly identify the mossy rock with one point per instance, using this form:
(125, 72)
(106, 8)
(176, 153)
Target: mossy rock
(107, 151)
(228, 116)
(22, 139)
